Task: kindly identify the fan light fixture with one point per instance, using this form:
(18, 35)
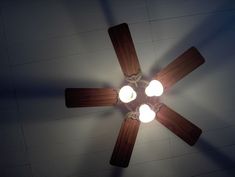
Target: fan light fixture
(154, 88)
(142, 109)
(146, 113)
(127, 94)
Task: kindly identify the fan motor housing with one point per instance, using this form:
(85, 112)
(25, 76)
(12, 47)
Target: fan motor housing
(141, 98)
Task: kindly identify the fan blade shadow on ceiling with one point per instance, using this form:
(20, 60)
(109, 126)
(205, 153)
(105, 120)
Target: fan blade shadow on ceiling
(216, 148)
(217, 155)
(106, 8)
(204, 39)
(116, 172)
(50, 92)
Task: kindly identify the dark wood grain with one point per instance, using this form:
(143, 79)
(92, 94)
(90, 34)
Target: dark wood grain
(176, 123)
(180, 67)
(125, 142)
(90, 97)
(124, 48)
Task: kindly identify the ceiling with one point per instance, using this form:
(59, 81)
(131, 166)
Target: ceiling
(49, 46)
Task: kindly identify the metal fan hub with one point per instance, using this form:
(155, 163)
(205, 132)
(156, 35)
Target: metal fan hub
(141, 98)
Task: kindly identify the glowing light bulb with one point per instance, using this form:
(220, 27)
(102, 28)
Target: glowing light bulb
(146, 113)
(127, 94)
(154, 88)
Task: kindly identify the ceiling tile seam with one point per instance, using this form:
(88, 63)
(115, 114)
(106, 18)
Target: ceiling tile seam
(93, 153)
(64, 57)
(214, 171)
(105, 28)
(106, 149)
(207, 150)
(94, 137)
(65, 115)
(141, 21)
(162, 159)
(219, 128)
(175, 157)
(150, 24)
(209, 172)
(60, 58)
(58, 37)
(192, 15)
(85, 52)
(16, 98)
(14, 166)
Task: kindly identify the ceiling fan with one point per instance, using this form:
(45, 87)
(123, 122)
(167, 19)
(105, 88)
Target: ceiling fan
(139, 96)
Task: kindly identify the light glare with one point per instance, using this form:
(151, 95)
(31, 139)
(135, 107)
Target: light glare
(154, 88)
(146, 113)
(127, 94)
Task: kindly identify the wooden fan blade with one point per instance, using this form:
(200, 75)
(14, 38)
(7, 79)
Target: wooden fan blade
(89, 97)
(183, 128)
(180, 67)
(124, 48)
(125, 143)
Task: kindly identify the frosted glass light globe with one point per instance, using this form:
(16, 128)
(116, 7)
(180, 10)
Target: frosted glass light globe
(146, 113)
(127, 94)
(154, 88)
